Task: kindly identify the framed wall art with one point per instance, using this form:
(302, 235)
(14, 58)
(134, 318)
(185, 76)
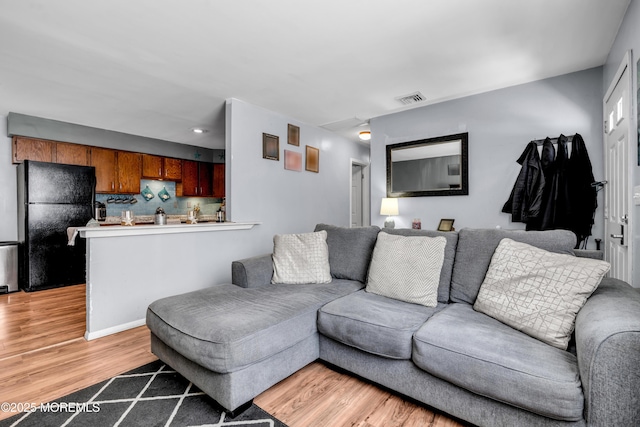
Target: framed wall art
(293, 135)
(446, 225)
(293, 160)
(312, 157)
(270, 147)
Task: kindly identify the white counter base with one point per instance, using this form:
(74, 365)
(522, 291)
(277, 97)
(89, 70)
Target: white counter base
(130, 267)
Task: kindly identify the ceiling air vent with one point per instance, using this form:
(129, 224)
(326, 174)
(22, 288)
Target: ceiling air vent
(412, 98)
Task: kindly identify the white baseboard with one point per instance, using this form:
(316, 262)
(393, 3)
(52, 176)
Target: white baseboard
(113, 330)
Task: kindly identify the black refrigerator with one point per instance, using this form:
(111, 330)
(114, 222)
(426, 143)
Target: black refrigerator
(51, 198)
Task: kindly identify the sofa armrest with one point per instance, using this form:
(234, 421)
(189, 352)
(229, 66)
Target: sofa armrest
(608, 349)
(252, 272)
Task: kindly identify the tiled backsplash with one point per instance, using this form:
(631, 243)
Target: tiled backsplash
(172, 206)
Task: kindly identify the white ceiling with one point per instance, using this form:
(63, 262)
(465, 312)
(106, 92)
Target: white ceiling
(158, 68)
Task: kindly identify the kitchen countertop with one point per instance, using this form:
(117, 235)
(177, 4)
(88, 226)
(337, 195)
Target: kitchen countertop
(109, 228)
(148, 219)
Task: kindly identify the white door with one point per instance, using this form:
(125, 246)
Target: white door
(357, 177)
(617, 212)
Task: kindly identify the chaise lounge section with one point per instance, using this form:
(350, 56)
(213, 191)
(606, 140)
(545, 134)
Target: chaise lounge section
(236, 340)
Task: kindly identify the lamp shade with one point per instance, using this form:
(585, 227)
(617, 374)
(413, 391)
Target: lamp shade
(389, 206)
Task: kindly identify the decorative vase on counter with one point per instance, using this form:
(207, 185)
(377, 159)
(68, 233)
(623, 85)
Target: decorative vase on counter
(127, 218)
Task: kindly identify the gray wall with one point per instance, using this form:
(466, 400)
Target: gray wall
(629, 39)
(500, 124)
(8, 188)
(285, 201)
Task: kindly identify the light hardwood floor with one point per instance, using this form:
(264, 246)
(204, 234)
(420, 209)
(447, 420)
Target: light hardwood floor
(43, 356)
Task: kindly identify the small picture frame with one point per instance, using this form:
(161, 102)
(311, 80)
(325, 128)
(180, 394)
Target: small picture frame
(293, 135)
(293, 160)
(270, 147)
(312, 157)
(446, 225)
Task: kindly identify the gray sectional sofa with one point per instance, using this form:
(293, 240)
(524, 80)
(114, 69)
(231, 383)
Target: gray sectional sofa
(236, 340)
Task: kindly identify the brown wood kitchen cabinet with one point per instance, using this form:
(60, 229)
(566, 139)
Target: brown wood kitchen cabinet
(128, 172)
(43, 150)
(104, 160)
(197, 178)
(157, 167)
(72, 154)
(39, 150)
(117, 172)
(218, 180)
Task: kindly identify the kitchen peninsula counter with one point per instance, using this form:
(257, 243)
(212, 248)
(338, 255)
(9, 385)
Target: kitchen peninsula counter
(129, 267)
(109, 230)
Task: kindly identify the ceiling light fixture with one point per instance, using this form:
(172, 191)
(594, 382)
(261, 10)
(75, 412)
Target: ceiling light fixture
(365, 135)
(199, 130)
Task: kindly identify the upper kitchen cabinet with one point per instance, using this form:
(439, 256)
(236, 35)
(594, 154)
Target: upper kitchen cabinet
(172, 169)
(156, 167)
(116, 171)
(218, 180)
(129, 172)
(197, 179)
(43, 150)
(72, 154)
(39, 150)
(104, 160)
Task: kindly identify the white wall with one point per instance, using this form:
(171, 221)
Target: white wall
(8, 188)
(285, 201)
(628, 38)
(500, 124)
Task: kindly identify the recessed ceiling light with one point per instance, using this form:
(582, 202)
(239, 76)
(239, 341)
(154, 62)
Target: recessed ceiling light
(199, 130)
(365, 135)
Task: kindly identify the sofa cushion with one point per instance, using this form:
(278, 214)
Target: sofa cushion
(301, 258)
(449, 255)
(476, 247)
(350, 250)
(373, 323)
(538, 292)
(407, 268)
(226, 328)
(487, 357)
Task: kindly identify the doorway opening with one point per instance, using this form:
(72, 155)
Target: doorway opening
(359, 195)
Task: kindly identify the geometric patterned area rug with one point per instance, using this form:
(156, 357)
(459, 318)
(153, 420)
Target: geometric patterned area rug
(151, 395)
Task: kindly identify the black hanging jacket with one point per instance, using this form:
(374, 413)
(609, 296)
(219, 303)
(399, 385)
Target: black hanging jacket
(582, 195)
(525, 201)
(547, 162)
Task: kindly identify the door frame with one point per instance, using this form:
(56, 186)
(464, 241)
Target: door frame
(366, 191)
(625, 65)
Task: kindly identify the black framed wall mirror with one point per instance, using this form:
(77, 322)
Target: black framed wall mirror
(429, 167)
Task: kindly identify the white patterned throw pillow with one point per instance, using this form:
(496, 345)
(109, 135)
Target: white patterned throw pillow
(301, 258)
(538, 292)
(407, 268)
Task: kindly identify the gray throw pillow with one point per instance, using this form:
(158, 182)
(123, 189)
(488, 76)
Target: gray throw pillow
(301, 258)
(449, 255)
(407, 268)
(350, 250)
(538, 292)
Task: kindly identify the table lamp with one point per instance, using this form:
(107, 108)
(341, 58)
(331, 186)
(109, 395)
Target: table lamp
(389, 207)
